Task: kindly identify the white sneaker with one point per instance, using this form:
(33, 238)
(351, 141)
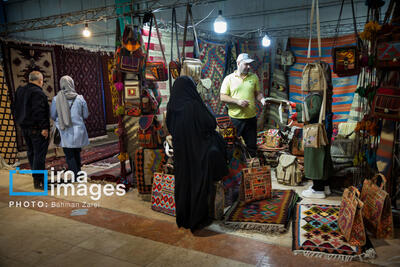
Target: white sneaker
(327, 190)
(311, 193)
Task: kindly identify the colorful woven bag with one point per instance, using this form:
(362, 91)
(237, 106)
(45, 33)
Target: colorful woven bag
(350, 217)
(163, 193)
(256, 182)
(377, 210)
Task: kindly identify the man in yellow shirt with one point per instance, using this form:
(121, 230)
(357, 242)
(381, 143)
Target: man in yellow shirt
(240, 90)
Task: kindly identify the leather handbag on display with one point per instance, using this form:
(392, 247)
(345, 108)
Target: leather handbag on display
(163, 193)
(345, 58)
(350, 217)
(155, 70)
(256, 182)
(377, 210)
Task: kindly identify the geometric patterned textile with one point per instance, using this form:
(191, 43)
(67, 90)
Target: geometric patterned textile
(8, 135)
(19, 61)
(316, 234)
(85, 69)
(147, 162)
(163, 193)
(213, 58)
(110, 93)
(267, 216)
(343, 87)
(156, 55)
(384, 152)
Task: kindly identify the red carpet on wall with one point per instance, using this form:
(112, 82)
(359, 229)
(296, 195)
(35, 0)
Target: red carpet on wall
(85, 68)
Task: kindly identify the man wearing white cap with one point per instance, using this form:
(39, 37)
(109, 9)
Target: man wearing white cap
(240, 90)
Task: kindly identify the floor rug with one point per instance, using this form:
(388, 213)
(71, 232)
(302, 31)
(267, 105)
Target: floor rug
(316, 234)
(266, 216)
(88, 155)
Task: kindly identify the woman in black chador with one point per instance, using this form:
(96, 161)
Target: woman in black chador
(199, 153)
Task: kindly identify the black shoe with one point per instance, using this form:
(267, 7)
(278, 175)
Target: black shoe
(36, 184)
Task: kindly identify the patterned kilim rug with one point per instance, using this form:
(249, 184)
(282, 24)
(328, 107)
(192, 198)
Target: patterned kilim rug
(110, 93)
(343, 87)
(266, 216)
(8, 135)
(19, 61)
(85, 68)
(88, 155)
(316, 234)
(213, 57)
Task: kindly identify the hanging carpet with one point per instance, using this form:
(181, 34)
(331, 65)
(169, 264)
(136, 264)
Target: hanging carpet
(343, 87)
(85, 68)
(22, 59)
(266, 216)
(8, 135)
(110, 93)
(213, 57)
(316, 234)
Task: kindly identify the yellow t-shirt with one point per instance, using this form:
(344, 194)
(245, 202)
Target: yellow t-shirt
(246, 89)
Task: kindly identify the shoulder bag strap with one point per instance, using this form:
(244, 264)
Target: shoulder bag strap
(148, 44)
(159, 38)
(185, 32)
(194, 31)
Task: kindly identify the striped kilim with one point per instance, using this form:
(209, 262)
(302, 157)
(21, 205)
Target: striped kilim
(213, 57)
(343, 87)
(8, 135)
(156, 55)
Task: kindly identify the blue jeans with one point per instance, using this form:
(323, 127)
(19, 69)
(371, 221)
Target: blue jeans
(247, 128)
(37, 150)
(73, 158)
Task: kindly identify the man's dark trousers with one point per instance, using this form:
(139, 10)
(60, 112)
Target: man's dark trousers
(37, 150)
(247, 128)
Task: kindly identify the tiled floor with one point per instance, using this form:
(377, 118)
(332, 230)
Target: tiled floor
(124, 231)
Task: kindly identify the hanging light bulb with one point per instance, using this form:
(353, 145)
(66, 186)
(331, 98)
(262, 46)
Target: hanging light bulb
(266, 41)
(220, 25)
(86, 32)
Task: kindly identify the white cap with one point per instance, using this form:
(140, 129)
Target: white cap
(245, 58)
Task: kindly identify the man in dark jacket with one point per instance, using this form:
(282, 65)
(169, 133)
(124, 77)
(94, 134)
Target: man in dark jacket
(32, 114)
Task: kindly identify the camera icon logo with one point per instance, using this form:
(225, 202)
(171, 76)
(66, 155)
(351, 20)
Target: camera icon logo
(45, 175)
